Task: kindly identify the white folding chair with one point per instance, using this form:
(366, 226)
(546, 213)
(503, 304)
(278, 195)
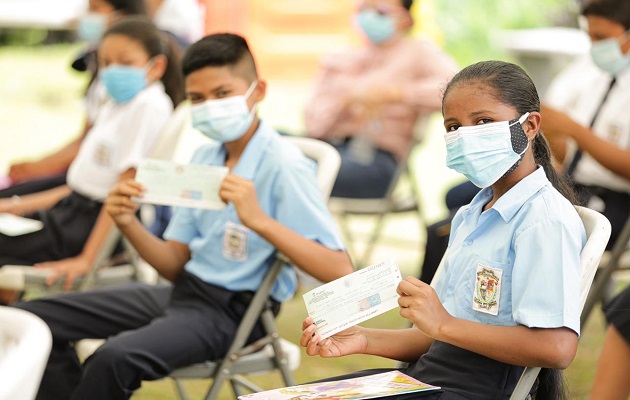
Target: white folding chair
(271, 352)
(393, 202)
(25, 343)
(102, 273)
(597, 234)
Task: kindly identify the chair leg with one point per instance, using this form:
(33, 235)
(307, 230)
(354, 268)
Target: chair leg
(269, 323)
(181, 391)
(219, 379)
(345, 230)
(376, 232)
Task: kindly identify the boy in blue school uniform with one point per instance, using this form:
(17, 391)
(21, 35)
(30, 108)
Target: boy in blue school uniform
(216, 259)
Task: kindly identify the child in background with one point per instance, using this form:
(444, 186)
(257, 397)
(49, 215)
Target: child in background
(50, 171)
(508, 296)
(143, 78)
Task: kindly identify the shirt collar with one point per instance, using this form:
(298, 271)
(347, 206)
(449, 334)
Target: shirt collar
(254, 152)
(508, 205)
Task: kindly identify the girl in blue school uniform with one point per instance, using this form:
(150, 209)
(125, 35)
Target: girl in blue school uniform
(142, 76)
(508, 296)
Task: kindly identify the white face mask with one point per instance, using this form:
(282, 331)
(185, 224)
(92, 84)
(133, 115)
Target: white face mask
(485, 153)
(607, 55)
(224, 120)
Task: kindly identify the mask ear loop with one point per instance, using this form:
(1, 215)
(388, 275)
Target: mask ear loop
(250, 90)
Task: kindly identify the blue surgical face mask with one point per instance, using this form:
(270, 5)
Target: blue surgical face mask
(224, 120)
(378, 28)
(123, 82)
(91, 27)
(607, 55)
(485, 153)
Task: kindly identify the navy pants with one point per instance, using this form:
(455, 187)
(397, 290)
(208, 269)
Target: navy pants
(67, 226)
(151, 330)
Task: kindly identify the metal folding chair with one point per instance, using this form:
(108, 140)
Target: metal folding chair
(392, 202)
(270, 352)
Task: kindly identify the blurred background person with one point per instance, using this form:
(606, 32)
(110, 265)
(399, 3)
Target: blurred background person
(184, 19)
(50, 171)
(366, 101)
(611, 379)
(586, 114)
(142, 75)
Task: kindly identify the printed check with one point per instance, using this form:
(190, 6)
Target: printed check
(353, 298)
(184, 185)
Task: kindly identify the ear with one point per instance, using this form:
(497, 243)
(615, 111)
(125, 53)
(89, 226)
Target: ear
(531, 126)
(405, 21)
(157, 68)
(259, 92)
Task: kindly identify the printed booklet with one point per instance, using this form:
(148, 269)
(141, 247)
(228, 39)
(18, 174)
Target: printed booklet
(390, 383)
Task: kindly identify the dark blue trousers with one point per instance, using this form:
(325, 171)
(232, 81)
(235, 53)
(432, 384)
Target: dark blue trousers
(151, 330)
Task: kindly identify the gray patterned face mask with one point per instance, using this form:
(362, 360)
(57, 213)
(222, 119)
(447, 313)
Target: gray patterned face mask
(520, 143)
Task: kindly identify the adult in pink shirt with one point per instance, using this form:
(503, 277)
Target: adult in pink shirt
(367, 100)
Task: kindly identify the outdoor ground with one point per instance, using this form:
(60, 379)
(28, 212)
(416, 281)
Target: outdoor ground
(40, 109)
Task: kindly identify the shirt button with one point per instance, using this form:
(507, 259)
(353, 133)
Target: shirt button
(469, 242)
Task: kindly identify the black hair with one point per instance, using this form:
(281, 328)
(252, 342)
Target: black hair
(129, 7)
(512, 86)
(219, 50)
(614, 10)
(407, 4)
(155, 42)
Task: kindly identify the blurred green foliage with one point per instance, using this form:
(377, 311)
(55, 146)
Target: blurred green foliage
(471, 27)
(22, 37)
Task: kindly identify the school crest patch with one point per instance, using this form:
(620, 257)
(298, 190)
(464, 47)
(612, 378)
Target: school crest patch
(235, 242)
(487, 293)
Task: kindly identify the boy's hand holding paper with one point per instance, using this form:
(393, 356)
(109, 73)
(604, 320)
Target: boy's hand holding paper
(172, 184)
(353, 298)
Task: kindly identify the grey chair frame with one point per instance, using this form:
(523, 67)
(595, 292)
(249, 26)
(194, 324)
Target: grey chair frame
(380, 207)
(240, 359)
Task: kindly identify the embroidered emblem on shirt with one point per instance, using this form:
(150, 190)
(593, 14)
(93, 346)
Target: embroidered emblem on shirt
(614, 133)
(235, 242)
(102, 155)
(487, 290)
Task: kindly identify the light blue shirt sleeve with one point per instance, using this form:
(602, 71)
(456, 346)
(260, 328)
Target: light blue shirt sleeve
(546, 275)
(302, 210)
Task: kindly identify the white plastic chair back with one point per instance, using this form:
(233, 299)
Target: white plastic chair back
(327, 158)
(25, 343)
(597, 234)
